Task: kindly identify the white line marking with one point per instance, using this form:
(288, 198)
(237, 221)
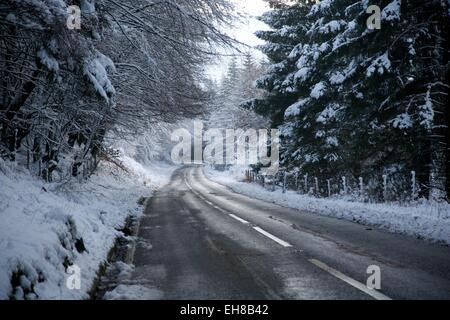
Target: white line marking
(204, 199)
(358, 285)
(238, 219)
(271, 236)
(267, 234)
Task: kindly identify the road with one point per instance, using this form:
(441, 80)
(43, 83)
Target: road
(200, 240)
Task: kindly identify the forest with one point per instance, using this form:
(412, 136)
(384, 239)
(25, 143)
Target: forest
(346, 100)
(350, 100)
(358, 101)
(131, 66)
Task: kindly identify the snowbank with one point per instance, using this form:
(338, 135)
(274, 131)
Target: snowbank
(427, 220)
(45, 228)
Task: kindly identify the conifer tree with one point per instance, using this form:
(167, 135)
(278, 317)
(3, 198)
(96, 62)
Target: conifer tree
(360, 101)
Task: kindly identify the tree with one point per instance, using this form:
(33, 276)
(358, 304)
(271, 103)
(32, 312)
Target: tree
(225, 106)
(358, 101)
(132, 64)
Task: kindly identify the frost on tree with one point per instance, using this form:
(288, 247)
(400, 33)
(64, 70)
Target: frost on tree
(356, 101)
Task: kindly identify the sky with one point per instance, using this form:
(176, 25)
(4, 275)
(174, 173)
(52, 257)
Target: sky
(243, 32)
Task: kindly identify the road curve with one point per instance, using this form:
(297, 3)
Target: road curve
(200, 240)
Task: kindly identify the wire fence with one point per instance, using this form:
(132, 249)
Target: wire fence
(384, 189)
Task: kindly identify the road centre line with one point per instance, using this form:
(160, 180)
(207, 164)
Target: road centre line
(358, 285)
(239, 219)
(272, 237)
(337, 274)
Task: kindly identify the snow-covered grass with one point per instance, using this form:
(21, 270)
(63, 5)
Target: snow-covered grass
(45, 227)
(426, 220)
(133, 292)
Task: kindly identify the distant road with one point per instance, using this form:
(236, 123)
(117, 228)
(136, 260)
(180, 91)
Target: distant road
(208, 242)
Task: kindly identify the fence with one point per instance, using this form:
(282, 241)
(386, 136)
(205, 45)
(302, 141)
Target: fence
(383, 190)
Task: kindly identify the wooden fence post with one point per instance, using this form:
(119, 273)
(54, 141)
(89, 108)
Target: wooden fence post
(385, 187)
(361, 187)
(344, 184)
(413, 185)
(329, 187)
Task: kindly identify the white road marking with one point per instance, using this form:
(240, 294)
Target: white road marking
(354, 283)
(358, 285)
(267, 234)
(238, 219)
(204, 199)
(271, 236)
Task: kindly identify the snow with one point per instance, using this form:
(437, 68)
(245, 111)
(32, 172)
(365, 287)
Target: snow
(324, 47)
(96, 70)
(379, 65)
(402, 121)
(124, 287)
(43, 224)
(294, 110)
(302, 74)
(429, 220)
(332, 26)
(392, 11)
(277, 67)
(296, 51)
(87, 7)
(287, 31)
(332, 141)
(303, 60)
(318, 90)
(338, 77)
(286, 129)
(426, 111)
(320, 6)
(133, 292)
(329, 113)
(48, 60)
(320, 134)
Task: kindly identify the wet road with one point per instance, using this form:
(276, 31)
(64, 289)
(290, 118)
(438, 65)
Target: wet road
(199, 240)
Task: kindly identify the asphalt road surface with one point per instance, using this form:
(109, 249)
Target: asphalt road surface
(200, 240)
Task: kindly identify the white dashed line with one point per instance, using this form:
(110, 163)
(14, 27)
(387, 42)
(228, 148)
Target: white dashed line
(271, 236)
(265, 233)
(238, 219)
(354, 283)
(358, 285)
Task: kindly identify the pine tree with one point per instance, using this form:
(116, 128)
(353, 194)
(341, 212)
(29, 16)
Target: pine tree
(280, 41)
(355, 101)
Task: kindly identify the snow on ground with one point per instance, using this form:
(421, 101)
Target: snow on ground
(133, 292)
(424, 220)
(45, 227)
(125, 288)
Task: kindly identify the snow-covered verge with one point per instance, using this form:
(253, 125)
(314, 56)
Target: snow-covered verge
(45, 228)
(426, 220)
